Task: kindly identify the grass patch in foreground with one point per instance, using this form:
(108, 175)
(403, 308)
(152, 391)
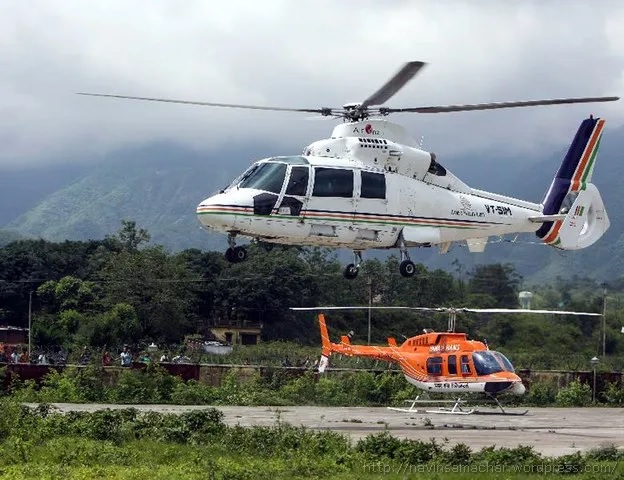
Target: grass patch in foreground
(78, 458)
(41, 443)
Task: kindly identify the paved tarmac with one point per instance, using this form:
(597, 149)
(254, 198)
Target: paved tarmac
(551, 431)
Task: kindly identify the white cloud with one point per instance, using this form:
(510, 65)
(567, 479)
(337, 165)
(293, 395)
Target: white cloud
(299, 54)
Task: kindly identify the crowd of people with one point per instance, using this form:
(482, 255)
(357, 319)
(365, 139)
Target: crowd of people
(18, 354)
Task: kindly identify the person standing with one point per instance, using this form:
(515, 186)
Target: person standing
(126, 357)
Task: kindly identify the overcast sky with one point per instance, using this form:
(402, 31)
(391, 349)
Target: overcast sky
(298, 54)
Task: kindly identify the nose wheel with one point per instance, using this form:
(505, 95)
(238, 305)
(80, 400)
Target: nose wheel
(351, 270)
(235, 254)
(406, 267)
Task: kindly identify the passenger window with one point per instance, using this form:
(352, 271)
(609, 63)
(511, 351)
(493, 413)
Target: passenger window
(373, 185)
(434, 365)
(452, 365)
(298, 181)
(333, 182)
(465, 365)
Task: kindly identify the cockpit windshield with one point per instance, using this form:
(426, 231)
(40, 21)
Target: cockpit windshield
(503, 359)
(267, 176)
(486, 363)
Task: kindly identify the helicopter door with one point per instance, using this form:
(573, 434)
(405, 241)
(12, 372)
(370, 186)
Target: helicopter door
(371, 207)
(452, 364)
(330, 207)
(293, 203)
(466, 369)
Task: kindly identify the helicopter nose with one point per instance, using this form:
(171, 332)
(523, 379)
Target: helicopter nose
(217, 213)
(518, 388)
(497, 387)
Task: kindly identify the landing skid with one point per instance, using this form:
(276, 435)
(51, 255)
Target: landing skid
(456, 409)
(502, 410)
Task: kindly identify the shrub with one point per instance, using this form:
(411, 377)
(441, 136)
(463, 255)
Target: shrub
(576, 394)
(614, 394)
(379, 445)
(542, 394)
(522, 454)
(605, 453)
(570, 464)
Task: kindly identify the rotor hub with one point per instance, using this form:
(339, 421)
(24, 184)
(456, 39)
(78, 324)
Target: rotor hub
(355, 112)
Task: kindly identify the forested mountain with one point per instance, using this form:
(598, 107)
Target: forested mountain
(160, 185)
(23, 188)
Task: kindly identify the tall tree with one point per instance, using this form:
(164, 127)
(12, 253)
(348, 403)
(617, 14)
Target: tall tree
(498, 281)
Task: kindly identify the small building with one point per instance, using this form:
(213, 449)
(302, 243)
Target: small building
(13, 335)
(237, 333)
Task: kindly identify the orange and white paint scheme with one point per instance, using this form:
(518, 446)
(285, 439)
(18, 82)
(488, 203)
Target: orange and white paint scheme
(441, 362)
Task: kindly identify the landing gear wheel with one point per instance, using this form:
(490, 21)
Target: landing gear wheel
(240, 254)
(236, 254)
(407, 268)
(351, 271)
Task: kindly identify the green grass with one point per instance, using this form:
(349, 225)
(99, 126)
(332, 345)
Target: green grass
(41, 443)
(79, 458)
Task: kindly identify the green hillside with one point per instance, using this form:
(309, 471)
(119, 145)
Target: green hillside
(158, 187)
(8, 236)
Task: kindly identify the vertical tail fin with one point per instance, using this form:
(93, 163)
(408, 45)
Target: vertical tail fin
(572, 177)
(326, 352)
(324, 335)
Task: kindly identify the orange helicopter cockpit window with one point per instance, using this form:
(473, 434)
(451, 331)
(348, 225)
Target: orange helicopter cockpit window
(504, 361)
(486, 363)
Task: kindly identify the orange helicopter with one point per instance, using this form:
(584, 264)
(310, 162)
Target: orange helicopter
(439, 362)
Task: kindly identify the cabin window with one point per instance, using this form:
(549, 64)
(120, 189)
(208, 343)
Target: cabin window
(268, 177)
(465, 365)
(485, 363)
(373, 185)
(333, 182)
(436, 169)
(298, 181)
(434, 365)
(452, 365)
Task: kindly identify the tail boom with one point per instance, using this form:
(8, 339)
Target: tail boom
(387, 354)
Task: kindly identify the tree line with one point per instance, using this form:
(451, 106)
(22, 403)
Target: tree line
(121, 289)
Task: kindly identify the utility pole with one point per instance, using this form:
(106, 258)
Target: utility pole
(370, 304)
(29, 323)
(604, 319)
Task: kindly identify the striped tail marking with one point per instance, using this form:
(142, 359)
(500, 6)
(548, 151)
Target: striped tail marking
(568, 181)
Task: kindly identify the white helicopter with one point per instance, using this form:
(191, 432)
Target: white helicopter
(370, 186)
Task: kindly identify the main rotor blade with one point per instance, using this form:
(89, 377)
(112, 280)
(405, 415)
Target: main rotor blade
(450, 309)
(429, 309)
(522, 310)
(494, 106)
(392, 86)
(322, 111)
